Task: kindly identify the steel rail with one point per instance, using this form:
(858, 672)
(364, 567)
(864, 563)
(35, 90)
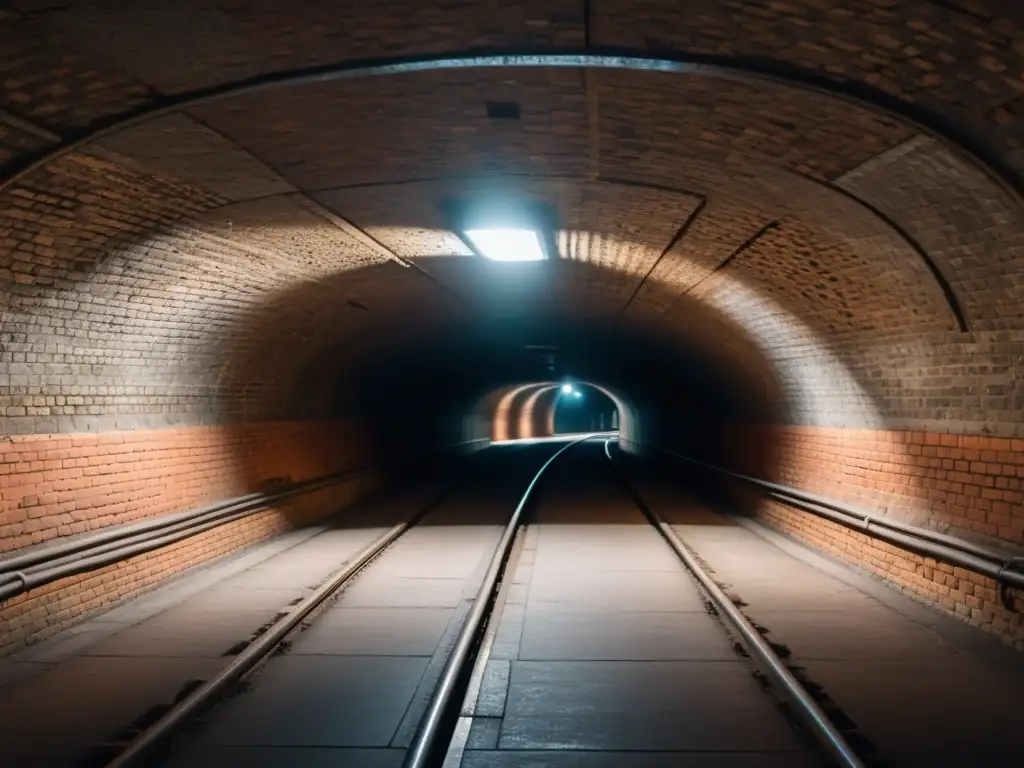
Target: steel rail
(426, 741)
(939, 546)
(264, 645)
(819, 723)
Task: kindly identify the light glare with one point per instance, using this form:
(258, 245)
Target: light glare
(567, 389)
(507, 244)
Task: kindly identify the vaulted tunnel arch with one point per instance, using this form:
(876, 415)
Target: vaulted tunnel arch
(592, 411)
(781, 258)
(528, 410)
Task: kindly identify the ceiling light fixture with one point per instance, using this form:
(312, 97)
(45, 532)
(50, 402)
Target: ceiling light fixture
(500, 226)
(507, 244)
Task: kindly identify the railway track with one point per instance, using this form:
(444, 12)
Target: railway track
(445, 696)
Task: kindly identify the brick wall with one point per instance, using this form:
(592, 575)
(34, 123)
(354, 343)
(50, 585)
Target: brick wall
(40, 612)
(188, 279)
(966, 595)
(64, 69)
(964, 485)
(958, 217)
(60, 485)
(54, 486)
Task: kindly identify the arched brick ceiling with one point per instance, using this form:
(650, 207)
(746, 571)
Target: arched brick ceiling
(71, 65)
(213, 261)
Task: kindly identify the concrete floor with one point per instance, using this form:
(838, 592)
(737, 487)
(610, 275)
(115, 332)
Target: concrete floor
(141, 654)
(603, 653)
(353, 687)
(921, 687)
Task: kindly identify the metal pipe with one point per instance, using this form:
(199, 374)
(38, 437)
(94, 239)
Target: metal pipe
(255, 500)
(998, 570)
(939, 546)
(121, 542)
(110, 549)
(30, 558)
(807, 708)
(88, 561)
(425, 739)
(20, 573)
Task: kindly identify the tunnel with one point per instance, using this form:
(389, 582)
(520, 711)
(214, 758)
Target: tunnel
(263, 263)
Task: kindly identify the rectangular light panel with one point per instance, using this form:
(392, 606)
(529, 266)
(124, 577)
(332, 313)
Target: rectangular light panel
(507, 244)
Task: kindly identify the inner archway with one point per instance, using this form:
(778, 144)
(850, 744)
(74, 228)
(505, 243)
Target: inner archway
(581, 407)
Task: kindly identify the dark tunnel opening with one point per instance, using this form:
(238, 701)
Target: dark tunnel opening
(582, 408)
(414, 382)
(390, 352)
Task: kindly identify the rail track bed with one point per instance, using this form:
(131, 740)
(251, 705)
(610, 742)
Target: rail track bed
(560, 606)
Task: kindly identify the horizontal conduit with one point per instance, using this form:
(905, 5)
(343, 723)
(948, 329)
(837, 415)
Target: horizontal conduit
(22, 572)
(939, 546)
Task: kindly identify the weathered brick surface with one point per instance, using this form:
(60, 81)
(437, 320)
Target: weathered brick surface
(937, 382)
(965, 484)
(963, 60)
(118, 293)
(960, 218)
(961, 593)
(179, 147)
(837, 290)
(644, 115)
(38, 613)
(195, 44)
(48, 78)
(53, 486)
(175, 274)
(433, 124)
(856, 253)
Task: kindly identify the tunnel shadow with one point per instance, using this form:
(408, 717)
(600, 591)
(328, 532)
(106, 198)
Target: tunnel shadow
(292, 358)
(589, 411)
(392, 357)
(384, 382)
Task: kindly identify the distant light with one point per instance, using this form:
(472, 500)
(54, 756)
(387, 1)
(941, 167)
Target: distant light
(507, 244)
(567, 389)
(578, 393)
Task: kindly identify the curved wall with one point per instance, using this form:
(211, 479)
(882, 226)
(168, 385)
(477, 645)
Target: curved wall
(799, 260)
